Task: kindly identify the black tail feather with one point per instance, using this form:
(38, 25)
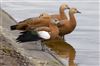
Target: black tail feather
(27, 36)
(13, 27)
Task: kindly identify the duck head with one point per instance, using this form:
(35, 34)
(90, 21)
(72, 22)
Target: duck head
(74, 10)
(64, 6)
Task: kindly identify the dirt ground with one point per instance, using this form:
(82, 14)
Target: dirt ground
(9, 57)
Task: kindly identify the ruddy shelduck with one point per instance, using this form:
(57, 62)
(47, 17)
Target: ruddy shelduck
(67, 26)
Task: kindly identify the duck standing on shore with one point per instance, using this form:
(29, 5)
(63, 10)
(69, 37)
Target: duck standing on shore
(49, 29)
(67, 26)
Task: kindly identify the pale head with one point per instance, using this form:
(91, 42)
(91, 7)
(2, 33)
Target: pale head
(64, 6)
(74, 10)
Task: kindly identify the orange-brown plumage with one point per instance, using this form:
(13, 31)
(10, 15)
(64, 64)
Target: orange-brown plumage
(67, 26)
(61, 14)
(42, 23)
(32, 22)
(52, 28)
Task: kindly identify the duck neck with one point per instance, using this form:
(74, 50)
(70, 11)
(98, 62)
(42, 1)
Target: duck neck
(62, 14)
(72, 19)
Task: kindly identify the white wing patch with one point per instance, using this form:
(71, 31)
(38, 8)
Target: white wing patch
(44, 34)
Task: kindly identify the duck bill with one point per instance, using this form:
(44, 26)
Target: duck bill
(68, 8)
(78, 12)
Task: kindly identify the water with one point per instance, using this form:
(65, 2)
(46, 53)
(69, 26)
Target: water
(85, 38)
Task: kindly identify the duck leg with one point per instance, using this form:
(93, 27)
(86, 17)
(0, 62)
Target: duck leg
(63, 38)
(43, 48)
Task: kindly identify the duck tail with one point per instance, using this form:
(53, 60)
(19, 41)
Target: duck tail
(27, 36)
(13, 27)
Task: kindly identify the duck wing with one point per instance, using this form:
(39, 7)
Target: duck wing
(32, 35)
(27, 36)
